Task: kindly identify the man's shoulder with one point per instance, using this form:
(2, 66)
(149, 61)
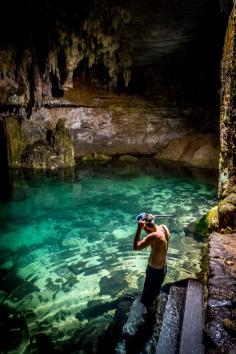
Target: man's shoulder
(165, 228)
(157, 236)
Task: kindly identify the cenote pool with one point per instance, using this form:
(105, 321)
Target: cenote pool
(66, 244)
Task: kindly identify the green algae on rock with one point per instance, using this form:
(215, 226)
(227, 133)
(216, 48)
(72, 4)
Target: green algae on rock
(12, 127)
(206, 224)
(227, 212)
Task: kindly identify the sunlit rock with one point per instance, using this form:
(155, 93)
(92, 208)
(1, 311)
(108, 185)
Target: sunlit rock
(200, 150)
(227, 212)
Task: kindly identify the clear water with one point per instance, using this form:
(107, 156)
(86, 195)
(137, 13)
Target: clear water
(66, 240)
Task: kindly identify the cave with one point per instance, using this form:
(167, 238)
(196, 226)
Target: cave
(164, 55)
(156, 65)
(93, 61)
(106, 83)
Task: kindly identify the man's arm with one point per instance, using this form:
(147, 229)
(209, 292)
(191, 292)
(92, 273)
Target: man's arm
(145, 242)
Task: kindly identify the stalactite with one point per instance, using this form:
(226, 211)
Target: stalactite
(23, 79)
(97, 40)
(53, 62)
(105, 44)
(73, 57)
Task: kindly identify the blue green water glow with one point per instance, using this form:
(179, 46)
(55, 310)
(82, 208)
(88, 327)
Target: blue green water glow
(66, 239)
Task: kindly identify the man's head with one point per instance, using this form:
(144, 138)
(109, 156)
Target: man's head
(149, 223)
(149, 218)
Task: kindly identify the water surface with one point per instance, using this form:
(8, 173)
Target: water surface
(66, 240)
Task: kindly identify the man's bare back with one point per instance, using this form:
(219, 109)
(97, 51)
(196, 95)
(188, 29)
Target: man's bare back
(159, 247)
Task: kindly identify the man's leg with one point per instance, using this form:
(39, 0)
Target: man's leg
(149, 292)
(152, 287)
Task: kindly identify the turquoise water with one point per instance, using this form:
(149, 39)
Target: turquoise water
(66, 240)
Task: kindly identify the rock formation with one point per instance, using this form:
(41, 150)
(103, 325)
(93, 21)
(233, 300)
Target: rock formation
(55, 151)
(128, 78)
(227, 178)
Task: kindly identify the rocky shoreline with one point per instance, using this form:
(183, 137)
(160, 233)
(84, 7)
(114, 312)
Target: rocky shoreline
(221, 288)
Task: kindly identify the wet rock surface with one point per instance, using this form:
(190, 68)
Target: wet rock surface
(172, 320)
(221, 307)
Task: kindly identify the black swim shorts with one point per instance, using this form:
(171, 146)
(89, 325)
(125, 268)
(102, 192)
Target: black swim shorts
(152, 284)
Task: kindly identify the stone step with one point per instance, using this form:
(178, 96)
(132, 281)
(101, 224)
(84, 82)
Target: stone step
(169, 338)
(182, 328)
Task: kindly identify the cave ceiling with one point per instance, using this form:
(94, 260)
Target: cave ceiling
(147, 47)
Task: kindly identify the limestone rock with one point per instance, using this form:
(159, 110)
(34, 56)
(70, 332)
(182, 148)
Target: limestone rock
(96, 157)
(128, 158)
(12, 127)
(206, 156)
(40, 155)
(56, 152)
(227, 212)
(227, 176)
(200, 150)
(63, 144)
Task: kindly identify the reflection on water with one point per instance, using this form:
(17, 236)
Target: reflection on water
(66, 242)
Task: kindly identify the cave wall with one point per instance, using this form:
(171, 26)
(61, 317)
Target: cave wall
(108, 123)
(127, 77)
(227, 179)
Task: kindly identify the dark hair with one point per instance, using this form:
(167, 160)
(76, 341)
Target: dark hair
(150, 224)
(149, 218)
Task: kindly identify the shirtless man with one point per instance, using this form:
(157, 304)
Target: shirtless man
(158, 238)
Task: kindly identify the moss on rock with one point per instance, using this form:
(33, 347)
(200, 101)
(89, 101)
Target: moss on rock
(227, 212)
(209, 222)
(12, 127)
(206, 224)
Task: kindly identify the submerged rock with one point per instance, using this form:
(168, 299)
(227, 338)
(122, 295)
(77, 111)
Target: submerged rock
(13, 329)
(136, 318)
